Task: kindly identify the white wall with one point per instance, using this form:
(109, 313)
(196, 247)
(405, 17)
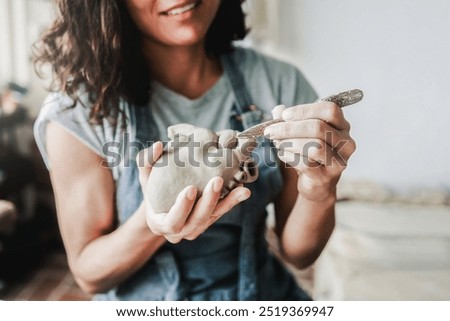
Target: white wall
(21, 22)
(40, 13)
(6, 71)
(398, 52)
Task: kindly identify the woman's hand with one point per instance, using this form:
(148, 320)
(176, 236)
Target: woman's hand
(315, 140)
(187, 218)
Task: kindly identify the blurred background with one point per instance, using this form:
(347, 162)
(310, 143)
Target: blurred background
(392, 240)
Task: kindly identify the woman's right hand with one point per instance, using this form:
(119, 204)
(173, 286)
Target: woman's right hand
(188, 218)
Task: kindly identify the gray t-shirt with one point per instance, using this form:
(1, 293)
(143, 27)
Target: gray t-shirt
(212, 110)
(270, 82)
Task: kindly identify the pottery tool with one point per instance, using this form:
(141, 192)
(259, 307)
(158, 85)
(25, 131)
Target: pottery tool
(342, 99)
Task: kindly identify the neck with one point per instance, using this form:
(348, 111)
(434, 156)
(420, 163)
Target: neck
(187, 70)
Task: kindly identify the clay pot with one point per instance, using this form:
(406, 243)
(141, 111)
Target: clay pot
(193, 156)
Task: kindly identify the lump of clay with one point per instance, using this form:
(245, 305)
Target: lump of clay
(193, 156)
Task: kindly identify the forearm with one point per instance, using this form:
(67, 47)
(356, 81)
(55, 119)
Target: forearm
(307, 230)
(110, 259)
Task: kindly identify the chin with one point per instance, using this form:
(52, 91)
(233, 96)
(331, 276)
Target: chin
(186, 37)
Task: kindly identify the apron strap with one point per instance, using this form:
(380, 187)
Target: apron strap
(237, 80)
(245, 115)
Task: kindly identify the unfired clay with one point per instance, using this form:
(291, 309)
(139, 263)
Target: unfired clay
(193, 156)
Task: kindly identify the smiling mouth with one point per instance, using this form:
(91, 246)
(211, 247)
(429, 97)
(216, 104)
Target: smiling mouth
(181, 10)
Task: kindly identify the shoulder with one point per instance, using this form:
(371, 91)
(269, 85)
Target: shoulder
(60, 107)
(74, 118)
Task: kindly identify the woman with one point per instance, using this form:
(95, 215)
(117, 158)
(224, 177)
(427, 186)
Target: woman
(136, 67)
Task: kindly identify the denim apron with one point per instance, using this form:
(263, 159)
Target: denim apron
(230, 260)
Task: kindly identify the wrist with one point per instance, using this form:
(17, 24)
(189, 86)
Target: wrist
(322, 193)
(327, 200)
(142, 226)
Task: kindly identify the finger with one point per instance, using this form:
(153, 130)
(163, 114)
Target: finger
(277, 111)
(174, 239)
(315, 149)
(326, 111)
(225, 205)
(205, 205)
(145, 160)
(324, 160)
(311, 128)
(180, 211)
(299, 162)
(172, 223)
(312, 149)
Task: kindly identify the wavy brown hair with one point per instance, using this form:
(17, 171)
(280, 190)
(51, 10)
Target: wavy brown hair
(94, 47)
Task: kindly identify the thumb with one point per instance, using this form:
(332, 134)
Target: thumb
(145, 160)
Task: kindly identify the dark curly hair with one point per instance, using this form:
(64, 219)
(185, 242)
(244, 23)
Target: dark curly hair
(96, 46)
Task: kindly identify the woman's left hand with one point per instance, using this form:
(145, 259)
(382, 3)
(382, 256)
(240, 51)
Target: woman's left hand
(315, 140)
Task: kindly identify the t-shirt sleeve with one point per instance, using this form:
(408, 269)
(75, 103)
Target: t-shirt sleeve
(58, 108)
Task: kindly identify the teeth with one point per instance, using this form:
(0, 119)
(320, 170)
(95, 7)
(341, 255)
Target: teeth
(181, 10)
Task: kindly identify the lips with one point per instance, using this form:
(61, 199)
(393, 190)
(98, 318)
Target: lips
(181, 8)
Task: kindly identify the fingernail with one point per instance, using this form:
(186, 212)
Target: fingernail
(156, 145)
(243, 197)
(217, 184)
(288, 114)
(268, 132)
(277, 111)
(191, 193)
